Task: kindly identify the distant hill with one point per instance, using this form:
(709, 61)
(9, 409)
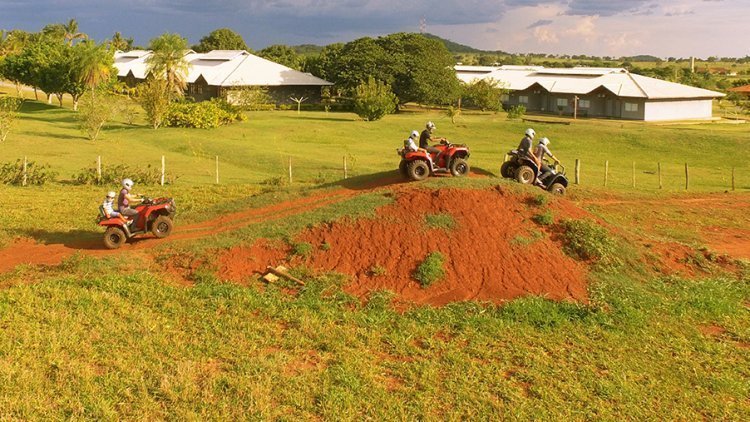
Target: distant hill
(641, 58)
(453, 47)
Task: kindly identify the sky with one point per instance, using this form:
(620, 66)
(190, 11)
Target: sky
(616, 28)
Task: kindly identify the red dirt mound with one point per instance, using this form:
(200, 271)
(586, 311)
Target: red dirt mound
(494, 252)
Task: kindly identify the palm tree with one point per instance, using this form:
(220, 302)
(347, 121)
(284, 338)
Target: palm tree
(93, 64)
(167, 61)
(71, 32)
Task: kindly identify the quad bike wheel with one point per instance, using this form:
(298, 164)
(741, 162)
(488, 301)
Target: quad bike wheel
(402, 168)
(557, 188)
(525, 175)
(507, 170)
(418, 170)
(459, 167)
(114, 237)
(162, 226)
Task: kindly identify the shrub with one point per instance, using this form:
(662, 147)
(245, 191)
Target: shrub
(113, 174)
(517, 112)
(153, 95)
(374, 99)
(302, 249)
(202, 115)
(94, 112)
(587, 240)
(13, 174)
(9, 107)
(483, 94)
(253, 98)
(544, 219)
(443, 221)
(431, 269)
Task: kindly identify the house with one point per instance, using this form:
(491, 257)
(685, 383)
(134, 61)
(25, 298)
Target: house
(597, 92)
(217, 72)
(742, 90)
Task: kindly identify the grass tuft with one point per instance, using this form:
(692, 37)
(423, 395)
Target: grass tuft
(431, 269)
(443, 221)
(588, 241)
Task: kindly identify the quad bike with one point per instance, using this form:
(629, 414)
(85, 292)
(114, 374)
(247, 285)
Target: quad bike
(451, 158)
(524, 170)
(154, 216)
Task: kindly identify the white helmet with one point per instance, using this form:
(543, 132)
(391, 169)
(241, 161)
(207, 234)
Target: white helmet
(544, 141)
(127, 184)
(414, 134)
(530, 132)
(430, 126)
(111, 194)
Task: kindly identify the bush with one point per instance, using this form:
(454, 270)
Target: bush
(94, 112)
(374, 99)
(113, 175)
(153, 95)
(9, 107)
(12, 173)
(202, 115)
(544, 219)
(431, 269)
(483, 94)
(587, 240)
(517, 112)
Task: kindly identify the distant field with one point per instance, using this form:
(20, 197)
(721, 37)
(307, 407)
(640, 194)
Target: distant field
(260, 148)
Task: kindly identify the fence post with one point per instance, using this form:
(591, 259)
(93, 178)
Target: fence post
(99, 169)
(578, 171)
(634, 174)
(658, 170)
(606, 172)
(687, 177)
(290, 169)
(732, 178)
(345, 171)
(163, 168)
(23, 182)
(217, 169)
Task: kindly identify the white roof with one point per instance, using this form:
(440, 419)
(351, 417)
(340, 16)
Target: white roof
(583, 80)
(223, 68)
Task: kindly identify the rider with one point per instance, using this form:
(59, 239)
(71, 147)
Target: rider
(426, 137)
(109, 212)
(125, 199)
(540, 152)
(527, 142)
(410, 145)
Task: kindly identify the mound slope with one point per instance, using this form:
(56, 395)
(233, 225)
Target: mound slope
(494, 252)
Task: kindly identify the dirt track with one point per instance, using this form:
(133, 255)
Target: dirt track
(493, 254)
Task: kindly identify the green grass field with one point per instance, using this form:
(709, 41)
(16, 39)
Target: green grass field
(116, 338)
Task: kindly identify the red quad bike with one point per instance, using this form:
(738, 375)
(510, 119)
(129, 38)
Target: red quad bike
(154, 216)
(524, 170)
(452, 158)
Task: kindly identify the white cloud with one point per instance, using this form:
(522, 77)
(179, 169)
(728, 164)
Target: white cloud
(545, 35)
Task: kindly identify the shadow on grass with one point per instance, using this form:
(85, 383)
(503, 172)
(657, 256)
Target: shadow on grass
(58, 135)
(323, 119)
(86, 240)
(370, 181)
(479, 171)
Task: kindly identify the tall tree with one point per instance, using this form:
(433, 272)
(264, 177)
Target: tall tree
(168, 62)
(93, 64)
(119, 43)
(282, 54)
(72, 33)
(221, 39)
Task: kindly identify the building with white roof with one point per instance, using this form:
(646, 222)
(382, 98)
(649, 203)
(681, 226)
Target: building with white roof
(597, 92)
(214, 73)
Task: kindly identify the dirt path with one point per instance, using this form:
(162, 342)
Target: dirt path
(31, 252)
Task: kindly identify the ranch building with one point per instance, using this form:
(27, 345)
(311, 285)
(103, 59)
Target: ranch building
(595, 92)
(216, 73)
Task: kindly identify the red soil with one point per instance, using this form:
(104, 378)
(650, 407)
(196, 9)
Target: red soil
(488, 258)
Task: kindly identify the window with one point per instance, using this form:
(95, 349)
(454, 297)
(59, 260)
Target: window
(562, 102)
(523, 99)
(504, 98)
(632, 107)
(584, 103)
